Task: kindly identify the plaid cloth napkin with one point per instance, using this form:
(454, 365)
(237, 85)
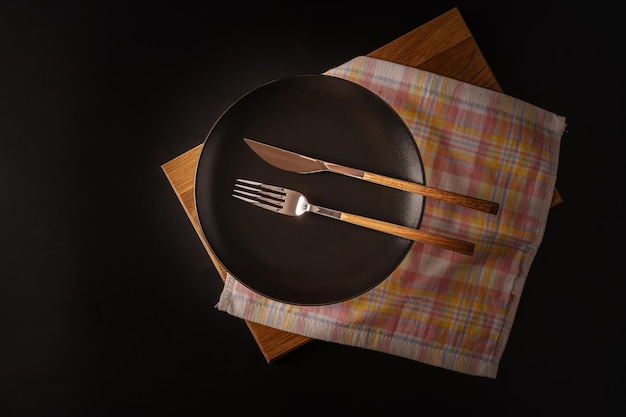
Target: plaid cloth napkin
(439, 307)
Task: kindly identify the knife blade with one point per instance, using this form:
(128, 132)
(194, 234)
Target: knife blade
(295, 162)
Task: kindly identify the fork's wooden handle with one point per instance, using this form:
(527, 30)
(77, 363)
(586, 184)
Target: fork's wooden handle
(449, 196)
(450, 243)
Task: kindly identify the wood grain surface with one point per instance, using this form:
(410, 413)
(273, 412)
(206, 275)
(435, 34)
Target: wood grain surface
(444, 46)
(439, 194)
(449, 243)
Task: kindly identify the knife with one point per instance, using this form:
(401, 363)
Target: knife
(294, 162)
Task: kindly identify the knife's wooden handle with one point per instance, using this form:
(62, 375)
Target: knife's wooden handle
(445, 242)
(449, 196)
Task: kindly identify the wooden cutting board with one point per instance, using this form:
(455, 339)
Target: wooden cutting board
(444, 46)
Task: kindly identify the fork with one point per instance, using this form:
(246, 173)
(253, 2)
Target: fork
(293, 203)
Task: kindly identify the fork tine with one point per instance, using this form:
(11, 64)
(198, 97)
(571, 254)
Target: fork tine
(260, 190)
(259, 185)
(265, 196)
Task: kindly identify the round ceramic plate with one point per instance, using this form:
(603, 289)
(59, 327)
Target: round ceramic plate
(311, 259)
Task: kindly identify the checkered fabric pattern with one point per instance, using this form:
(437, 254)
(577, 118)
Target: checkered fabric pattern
(440, 307)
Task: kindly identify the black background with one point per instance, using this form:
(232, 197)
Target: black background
(106, 293)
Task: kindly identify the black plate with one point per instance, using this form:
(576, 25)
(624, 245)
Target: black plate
(309, 260)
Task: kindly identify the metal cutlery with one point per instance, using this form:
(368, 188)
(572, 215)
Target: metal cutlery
(294, 162)
(293, 203)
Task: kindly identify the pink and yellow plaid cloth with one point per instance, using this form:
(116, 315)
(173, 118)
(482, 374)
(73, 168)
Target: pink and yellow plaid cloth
(439, 307)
